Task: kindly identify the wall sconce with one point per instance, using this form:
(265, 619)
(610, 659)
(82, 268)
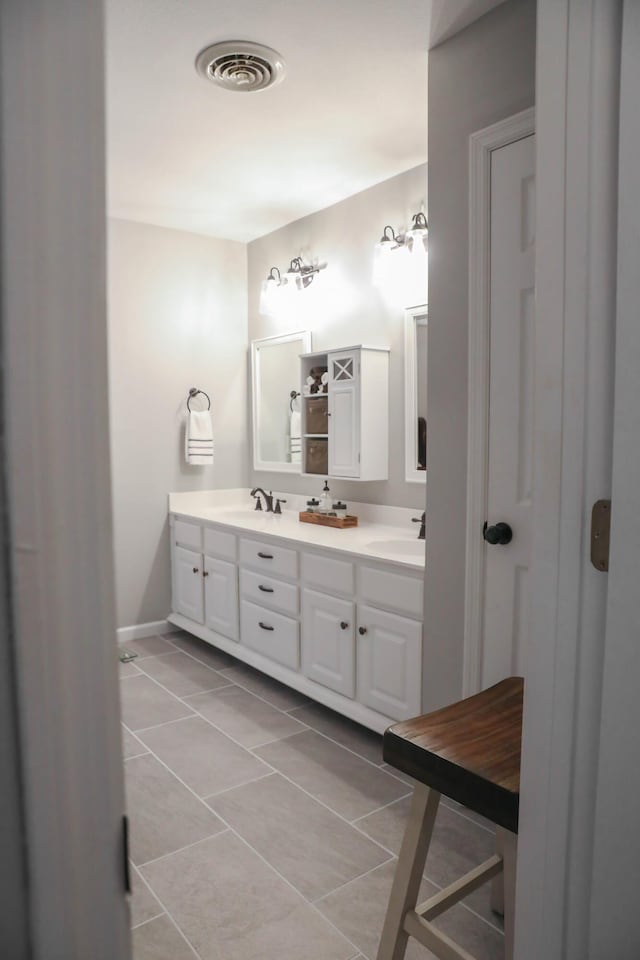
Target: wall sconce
(279, 287)
(399, 265)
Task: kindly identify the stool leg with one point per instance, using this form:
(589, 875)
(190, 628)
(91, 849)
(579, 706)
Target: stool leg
(497, 884)
(409, 869)
(509, 844)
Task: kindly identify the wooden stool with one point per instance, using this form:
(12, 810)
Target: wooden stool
(470, 752)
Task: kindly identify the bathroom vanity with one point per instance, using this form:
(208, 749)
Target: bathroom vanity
(335, 614)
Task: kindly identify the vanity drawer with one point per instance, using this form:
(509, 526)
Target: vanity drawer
(330, 574)
(219, 543)
(394, 591)
(271, 634)
(275, 594)
(188, 535)
(265, 556)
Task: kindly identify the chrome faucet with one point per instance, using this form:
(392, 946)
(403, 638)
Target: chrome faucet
(268, 499)
(421, 521)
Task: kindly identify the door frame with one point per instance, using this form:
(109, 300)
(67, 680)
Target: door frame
(481, 146)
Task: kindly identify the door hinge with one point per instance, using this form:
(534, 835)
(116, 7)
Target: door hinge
(600, 530)
(125, 854)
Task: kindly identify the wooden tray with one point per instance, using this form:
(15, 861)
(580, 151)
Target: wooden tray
(326, 520)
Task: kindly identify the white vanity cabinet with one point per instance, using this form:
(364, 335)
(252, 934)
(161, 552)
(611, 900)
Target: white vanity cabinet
(339, 628)
(268, 600)
(345, 430)
(204, 577)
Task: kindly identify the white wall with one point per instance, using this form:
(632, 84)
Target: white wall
(479, 76)
(177, 319)
(345, 309)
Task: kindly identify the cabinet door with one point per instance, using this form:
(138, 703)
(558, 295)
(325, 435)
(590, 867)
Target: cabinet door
(328, 648)
(221, 597)
(188, 584)
(344, 415)
(389, 653)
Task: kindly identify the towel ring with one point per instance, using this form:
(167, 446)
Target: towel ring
(193, 392)
(294, 396)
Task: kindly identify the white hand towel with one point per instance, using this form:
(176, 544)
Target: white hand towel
(294, 428)
(295, 442)
(198, 438)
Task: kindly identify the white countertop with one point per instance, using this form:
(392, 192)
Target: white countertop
(383, 533)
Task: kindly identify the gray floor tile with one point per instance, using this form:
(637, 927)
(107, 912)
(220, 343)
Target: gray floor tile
(266, 687)
(148, 647)
(359, 908)
(245, 717)
(182, 675)
(128, 669)
(364, 742)
(457, 846)
(144, 703)
(311, 847)
(164, 816)
(131, 746)
(232, 906)
(159, 940)
(203, 651)
(346, 783)
(143, 904)
(203, 758)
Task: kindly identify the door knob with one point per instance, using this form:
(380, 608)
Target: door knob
(500, 534)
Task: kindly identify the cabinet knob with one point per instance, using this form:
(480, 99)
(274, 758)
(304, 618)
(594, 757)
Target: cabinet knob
(362, 631)
(196, 569)
(205, 573)
(343, 625)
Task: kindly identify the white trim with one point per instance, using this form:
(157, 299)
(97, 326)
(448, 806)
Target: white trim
(412, 316)
(481, 146)
(141, 630)
(577, 97)
(56, 401)
(304, 336)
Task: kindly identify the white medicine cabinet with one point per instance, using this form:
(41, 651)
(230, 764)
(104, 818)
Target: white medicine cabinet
(345, 413)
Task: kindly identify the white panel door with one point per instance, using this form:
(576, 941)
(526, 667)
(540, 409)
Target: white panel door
(344, 439)
(512, 250)
(221, 597)
(188, 584)
(389, 658)
(328, 649)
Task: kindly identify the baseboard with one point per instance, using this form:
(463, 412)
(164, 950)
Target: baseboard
(140, 630)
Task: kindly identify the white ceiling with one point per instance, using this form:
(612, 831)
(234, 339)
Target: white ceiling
(351, 111)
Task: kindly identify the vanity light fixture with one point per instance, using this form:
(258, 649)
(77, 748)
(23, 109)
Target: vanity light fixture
(392, 249)
(417, 236)
(277, 287)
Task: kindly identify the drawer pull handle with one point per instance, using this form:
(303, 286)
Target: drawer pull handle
(265, 589)
(196, 569)
(343, 624)
(362, 631)
(265, 626)
(265, 556)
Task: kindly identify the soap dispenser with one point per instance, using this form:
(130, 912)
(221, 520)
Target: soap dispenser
(325, 499)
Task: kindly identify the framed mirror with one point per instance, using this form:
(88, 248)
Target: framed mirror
(275, 376)
(415, 403)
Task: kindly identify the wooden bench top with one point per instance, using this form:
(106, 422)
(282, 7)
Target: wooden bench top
(469, 751)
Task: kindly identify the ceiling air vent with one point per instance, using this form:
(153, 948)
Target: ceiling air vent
(240, 66)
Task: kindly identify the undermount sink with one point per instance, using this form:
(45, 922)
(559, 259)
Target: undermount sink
(397, 548)
(249, 513)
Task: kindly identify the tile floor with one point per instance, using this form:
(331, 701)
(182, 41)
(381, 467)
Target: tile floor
(264, 826)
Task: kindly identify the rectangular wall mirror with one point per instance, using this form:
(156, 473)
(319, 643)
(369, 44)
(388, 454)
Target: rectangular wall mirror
(415, 406)
(275, 375)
